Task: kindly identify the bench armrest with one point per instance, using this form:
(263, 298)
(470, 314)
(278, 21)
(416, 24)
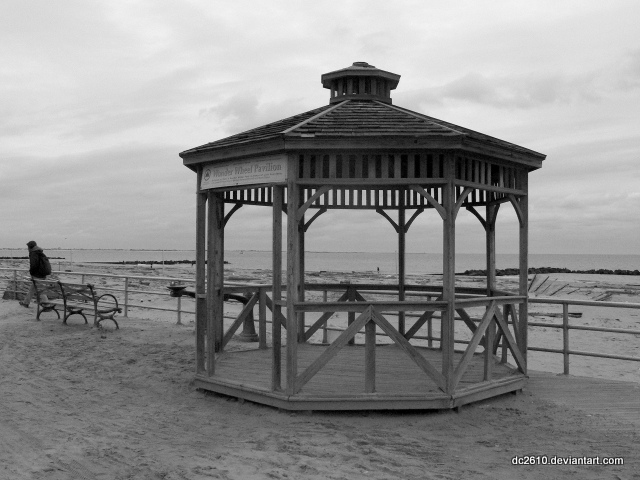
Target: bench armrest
(110, 302)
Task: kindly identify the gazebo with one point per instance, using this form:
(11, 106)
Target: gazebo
(361, 152)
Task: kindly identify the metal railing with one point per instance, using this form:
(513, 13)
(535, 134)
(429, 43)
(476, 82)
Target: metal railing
(22, 275)
(17, 275)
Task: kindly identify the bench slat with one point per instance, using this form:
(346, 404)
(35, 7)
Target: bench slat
(76, 299)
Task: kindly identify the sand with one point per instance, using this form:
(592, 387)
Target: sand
(77, 402)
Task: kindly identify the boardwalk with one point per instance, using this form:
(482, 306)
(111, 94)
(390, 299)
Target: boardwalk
(595, 396)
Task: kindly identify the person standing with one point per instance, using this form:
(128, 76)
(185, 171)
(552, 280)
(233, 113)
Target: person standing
(39, 267)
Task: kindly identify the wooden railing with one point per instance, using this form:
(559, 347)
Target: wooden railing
(372, 315)
(464, 298)
(565, 326)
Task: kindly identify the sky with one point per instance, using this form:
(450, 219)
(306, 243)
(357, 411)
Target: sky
(98, 98)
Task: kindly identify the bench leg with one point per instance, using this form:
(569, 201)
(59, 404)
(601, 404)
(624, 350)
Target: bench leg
(106, 317)
(75, 313)
(42, 309)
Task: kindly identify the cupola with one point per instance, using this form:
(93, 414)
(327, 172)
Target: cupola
(360, 81)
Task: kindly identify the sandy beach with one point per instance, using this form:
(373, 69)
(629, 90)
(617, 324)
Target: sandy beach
(78, 402)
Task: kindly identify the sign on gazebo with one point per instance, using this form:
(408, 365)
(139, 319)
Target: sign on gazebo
(271, 169)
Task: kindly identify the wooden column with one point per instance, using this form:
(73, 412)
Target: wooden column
(276, 332)
(448, 273)
(490, 229)
(215, 277)
(301, 247)
(293, 273)
(201, 300)
(402, 231)
(523, 184)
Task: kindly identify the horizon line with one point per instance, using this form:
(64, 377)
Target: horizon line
(312, 251)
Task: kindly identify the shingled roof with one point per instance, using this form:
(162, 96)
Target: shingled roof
(353, 118)
(360, 109)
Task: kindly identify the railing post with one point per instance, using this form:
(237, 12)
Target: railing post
(325, 338)
(370, 357)
(429, 327)
(565, 336)
(262, 318)
(503, 343)
(489, 339)
(179, 308)
(15, 284)
(351, 316)
(126, 296)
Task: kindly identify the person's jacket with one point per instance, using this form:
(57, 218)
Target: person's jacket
(35, 266)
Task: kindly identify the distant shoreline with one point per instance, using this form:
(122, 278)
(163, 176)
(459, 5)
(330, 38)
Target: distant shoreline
(472, 273)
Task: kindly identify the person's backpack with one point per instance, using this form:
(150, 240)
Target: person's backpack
(45, 265)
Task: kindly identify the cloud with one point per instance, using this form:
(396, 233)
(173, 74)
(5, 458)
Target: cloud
(117, 198)
(629, 78)
(511, 91)
(97, 99)
(531, 90)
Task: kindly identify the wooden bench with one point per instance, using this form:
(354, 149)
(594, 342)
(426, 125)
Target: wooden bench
(75, 299)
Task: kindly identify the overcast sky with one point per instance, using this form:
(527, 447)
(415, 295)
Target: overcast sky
(98, 98)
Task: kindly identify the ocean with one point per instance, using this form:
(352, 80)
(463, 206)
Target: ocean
(416, 263)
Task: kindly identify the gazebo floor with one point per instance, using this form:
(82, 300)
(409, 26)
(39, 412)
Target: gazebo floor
(399, 383)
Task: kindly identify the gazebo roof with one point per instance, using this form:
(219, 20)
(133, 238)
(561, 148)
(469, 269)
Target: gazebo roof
(360, 123)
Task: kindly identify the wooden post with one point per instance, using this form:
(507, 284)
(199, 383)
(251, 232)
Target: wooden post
(402, 231)
(201, 300)
(370, 357)
(523, 184)
(301, 294)
(490, 233)
(262, 318)
(351, 316)
(293, 273)
(448, 276)
(325, 336)
(215, 278)
(276, 332)
(489, 337)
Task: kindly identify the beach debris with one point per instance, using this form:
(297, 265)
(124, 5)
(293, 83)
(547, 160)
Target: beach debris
(536, 270)
(540, 285)
(556, 291)
(555, 314)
